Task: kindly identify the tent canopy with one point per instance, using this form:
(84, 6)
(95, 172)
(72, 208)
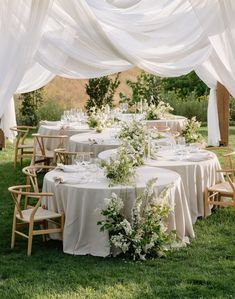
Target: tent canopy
(92, 38)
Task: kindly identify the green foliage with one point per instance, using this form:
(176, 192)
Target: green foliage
(101, 92)
(145, 235)
(188, 106)
(50, 110)
(183, 86)
(31, 101)
(147, 87)
(192, 272)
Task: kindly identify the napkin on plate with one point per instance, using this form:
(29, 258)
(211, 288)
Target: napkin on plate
(67, 168)
(70, 180)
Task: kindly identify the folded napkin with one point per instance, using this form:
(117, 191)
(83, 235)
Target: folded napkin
(92, 141)
(68, 168)
(72, 181)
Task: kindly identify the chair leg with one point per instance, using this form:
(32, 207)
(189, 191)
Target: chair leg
(30, 238)
(15, 159)
(206, 205)
(13, 236)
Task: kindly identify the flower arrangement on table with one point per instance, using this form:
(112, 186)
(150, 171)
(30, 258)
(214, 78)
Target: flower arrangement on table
(98, 119)
(137, 140)
(145, 235)
(191, 131)
(159, 111)
(119, 170)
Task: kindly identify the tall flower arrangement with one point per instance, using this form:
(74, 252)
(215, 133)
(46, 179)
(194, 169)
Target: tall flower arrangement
(191, 131)
(98, 119)
(145, 234)
(159, 111)
(133, 136)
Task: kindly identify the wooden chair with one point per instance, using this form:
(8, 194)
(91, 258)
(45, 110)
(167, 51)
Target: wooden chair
(67, 158)
(41, 153)
(33, 215)
(31, 173)
(22, 150)
(219, 194)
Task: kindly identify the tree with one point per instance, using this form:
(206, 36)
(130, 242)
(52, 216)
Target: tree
(101, 91)
(185, 85)
(147, 87)
(31, 101)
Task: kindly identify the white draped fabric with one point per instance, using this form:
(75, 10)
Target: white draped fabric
(91, 38)
(20, 30)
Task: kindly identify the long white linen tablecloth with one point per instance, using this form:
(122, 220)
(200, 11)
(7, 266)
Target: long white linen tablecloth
(196, 176)
(175, 122)
(56, 128)
(81, 201)
(94, 142)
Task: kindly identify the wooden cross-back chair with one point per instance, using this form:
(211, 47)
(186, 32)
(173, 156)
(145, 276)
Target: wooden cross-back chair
(33, 215)
(22, 149)
(41, 153)
(31, 173)
(68, 158)
(219, 194)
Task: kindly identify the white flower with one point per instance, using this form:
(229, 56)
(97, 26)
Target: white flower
(126, 226)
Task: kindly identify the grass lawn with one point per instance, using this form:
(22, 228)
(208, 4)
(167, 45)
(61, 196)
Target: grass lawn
(205, 269)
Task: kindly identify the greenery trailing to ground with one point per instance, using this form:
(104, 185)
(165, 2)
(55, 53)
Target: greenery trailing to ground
(101, 91)
(204, 269)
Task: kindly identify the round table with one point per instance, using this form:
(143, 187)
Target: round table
(175, 122)
(81, 203)
(57, 128)
(94, 142)
(198, 170)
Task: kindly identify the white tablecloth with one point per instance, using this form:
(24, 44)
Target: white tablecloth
(56, 128)
(196, 176)
(81, 201)
(94, 142)
(176, 123)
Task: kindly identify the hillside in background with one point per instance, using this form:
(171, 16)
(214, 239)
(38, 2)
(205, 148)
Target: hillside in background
(72, 92)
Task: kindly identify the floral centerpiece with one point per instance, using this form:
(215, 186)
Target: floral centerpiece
(191, 131)
(159, 111)
(119, 170)
(98, 119)
(136, 139)
(145, 235)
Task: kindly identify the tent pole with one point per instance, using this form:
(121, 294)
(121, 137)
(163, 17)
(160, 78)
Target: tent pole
(223, 112)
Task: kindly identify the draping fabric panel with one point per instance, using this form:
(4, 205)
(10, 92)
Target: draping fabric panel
(85, 39)
(8, 120)
(94, 38)
(212, 111)
(20, 29)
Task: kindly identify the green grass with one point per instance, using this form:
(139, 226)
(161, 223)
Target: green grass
(205, 269)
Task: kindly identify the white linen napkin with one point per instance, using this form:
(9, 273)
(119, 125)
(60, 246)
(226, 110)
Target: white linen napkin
(68, 168)
(72, 180)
